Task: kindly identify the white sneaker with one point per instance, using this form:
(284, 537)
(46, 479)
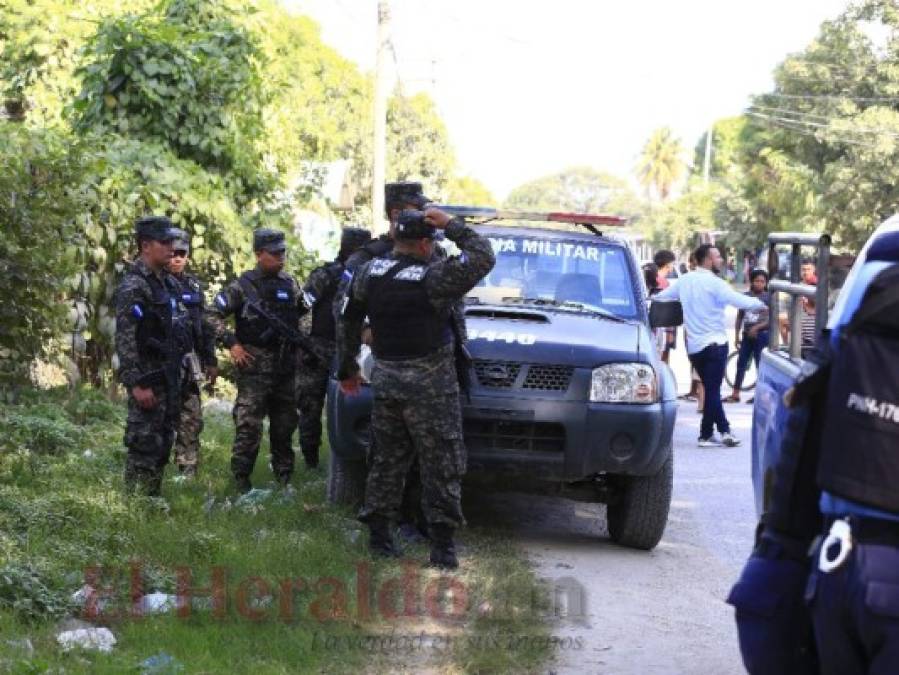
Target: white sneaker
(710, 442)
(730, 440)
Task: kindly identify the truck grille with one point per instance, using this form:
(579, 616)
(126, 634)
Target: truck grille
(505, 435)
(505, 375)
(548, 378)
(496, 374)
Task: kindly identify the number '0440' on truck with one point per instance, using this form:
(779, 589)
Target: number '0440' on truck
(569, 396)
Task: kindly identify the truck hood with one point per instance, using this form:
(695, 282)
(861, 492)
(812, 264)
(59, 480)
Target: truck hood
(562, 338)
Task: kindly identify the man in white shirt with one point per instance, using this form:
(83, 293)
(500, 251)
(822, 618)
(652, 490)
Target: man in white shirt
(704, 296)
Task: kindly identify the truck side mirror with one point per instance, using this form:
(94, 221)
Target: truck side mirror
(666, 314)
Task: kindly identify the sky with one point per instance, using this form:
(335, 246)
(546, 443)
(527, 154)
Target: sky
(527, 89)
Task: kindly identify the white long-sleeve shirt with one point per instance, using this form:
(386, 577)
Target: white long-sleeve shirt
(704, 297)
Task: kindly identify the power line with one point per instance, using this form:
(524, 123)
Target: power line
(827, 121)
(835, 97)
(799, 126)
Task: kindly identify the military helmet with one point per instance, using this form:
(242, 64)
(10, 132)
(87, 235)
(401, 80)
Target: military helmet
(411, 225)
(267, 239)
(158, 228)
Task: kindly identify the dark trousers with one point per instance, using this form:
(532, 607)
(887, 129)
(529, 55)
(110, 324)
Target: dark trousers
(855, 610)
(750, 348)
(773, 624)
(710, 364)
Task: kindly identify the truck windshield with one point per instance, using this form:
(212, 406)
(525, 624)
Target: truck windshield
(573, 275)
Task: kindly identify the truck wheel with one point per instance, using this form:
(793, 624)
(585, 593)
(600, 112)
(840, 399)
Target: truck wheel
(346, 481)
(638, 515)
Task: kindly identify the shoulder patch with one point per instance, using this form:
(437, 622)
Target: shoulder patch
(413, 273)
(347, 274)
(381, 266)
(137, 311)
(221, 301)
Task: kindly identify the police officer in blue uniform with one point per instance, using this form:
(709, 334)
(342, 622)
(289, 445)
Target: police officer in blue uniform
(837, 470)
(853, 590)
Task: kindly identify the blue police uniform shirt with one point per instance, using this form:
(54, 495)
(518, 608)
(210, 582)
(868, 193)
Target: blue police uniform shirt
(831, 504)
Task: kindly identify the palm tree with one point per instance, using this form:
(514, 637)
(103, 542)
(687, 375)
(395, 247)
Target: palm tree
(661, 164)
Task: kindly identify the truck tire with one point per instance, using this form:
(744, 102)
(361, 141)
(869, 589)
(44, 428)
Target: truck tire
(346, 481)
(638, 515)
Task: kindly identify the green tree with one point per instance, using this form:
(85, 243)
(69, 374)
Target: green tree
(577, 189)
(661, 163)
(187, 76)
(468, 190)
(39, 178)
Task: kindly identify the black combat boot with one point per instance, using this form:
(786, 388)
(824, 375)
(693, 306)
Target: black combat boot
(380, 541)
(243, 484)
(188, 470)
(443, 549)
(311, 459)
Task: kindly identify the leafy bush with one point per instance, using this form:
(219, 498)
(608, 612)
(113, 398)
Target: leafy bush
(25, 591)
(38, 172)
(42, 435)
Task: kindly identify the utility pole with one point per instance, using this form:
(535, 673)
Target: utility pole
(707, 165)
(379, 159)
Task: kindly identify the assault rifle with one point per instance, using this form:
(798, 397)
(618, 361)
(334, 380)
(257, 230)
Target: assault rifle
(276, 326)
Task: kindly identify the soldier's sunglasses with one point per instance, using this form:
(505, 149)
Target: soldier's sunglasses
(179, 254)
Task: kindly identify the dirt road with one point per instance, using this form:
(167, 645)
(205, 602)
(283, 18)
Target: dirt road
(656, 612)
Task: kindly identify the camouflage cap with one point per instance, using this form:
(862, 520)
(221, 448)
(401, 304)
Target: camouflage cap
(411, 225)
(158, 228)
(181, 241)
(400, 194)
(267, 239)
(351, 238)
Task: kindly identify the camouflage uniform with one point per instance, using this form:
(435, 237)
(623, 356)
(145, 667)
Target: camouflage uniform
(187, 441)
(416, 409)
(267, 386)
(410, 513)
(312, 375)
(151, 339)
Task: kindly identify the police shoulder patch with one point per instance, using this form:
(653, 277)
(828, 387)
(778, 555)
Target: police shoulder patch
(221, 301)
(137, 311)
(413, 273)
(381, 266)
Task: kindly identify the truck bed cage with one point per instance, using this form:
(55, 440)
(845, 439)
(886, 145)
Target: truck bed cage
(795, 289)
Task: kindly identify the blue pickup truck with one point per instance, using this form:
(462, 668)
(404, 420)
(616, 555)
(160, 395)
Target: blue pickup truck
(568, 397)
(781, 365)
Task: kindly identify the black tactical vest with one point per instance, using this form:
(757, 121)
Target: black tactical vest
(405, 325)
(860, 443)
(192, 298)
(164, 327)
(323, 324)
(277, 297)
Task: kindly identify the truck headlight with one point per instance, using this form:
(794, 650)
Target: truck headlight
(624, 383)
(366, 361)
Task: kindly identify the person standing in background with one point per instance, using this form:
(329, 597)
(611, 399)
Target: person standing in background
(704, 296)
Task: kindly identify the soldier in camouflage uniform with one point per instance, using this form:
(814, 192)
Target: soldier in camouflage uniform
(261, 300)
(412, 525)
(416, 412)
(152, 336)
(200, 360)
(312, 374)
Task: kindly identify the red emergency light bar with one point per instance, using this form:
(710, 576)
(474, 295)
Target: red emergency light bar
(489, 213)
(586, 218)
